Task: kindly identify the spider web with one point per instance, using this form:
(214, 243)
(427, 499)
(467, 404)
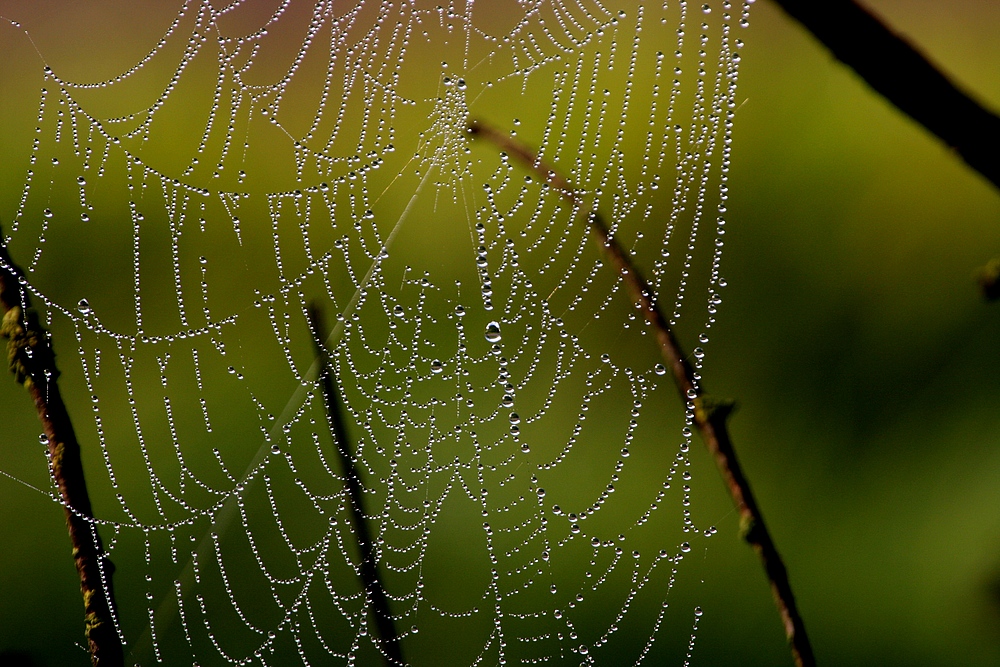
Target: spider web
(524, 457)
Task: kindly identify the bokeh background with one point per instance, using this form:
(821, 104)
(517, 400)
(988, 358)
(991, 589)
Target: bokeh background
(851, 333)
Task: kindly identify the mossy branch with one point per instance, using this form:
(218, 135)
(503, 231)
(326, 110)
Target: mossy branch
(32, 361)
(391, 650)
(709, 416)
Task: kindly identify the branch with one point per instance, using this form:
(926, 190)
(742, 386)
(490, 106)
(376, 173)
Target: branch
(988, 279)
(392, 653)
(710, 418)
(901, 74)
(32, 360)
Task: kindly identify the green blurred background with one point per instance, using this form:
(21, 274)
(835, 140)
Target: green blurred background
(852, 335)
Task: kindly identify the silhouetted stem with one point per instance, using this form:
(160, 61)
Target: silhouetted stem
(392, 652)
(901, 74)
(709, 418)
(32, 360)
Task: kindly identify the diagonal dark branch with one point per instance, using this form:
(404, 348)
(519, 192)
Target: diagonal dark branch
(709, 418)
(32, 360)
(391, 649)
(905, 77)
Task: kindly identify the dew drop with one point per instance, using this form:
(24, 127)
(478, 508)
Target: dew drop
(83, 306)
(436, 366)
(493, 332)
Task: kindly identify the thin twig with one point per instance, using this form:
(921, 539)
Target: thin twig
(709, 417)
(32, 360)
(905, 77)
(392, 652)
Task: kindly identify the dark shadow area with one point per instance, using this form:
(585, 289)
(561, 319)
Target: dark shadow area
(14, 658)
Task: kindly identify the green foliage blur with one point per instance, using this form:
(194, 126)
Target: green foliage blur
(865, 365)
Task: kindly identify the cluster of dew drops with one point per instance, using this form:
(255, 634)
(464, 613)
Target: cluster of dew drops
(717, 109)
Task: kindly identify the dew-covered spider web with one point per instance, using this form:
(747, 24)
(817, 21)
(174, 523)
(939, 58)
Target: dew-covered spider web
(194, 175)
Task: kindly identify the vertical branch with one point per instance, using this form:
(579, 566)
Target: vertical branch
(392, 652)
(32, 360)
(710, 418)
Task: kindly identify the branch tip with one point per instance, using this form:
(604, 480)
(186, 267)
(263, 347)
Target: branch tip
(988, 279)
